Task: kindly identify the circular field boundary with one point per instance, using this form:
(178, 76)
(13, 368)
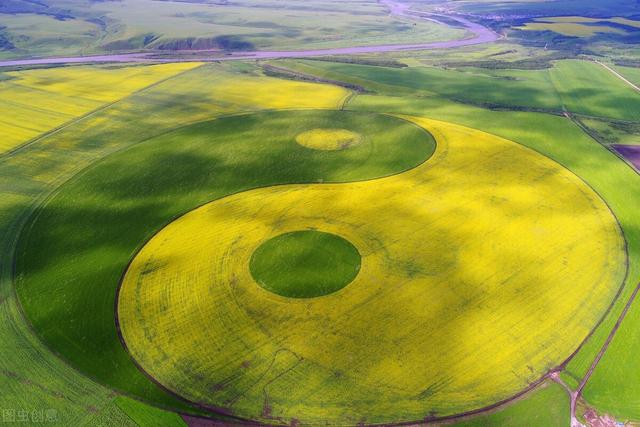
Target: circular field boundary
(204, 407)
(40, 205)
(257, 268)
(428, 419)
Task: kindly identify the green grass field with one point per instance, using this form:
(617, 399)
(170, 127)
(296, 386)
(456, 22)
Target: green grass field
(587, 88)
(556, 8)
(305, 264)
(548, 406)
(614, 132)
(579, 26)
(532, 89)
(580, 87)
(632, 74)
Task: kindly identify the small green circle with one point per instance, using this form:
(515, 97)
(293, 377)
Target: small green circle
(305, 264)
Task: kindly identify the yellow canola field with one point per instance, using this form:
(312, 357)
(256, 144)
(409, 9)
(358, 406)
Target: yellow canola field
(35, 101)
(251, 92)
(203, 92)
(482, 269)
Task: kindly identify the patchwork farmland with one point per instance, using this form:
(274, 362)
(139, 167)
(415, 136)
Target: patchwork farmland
(443, 234)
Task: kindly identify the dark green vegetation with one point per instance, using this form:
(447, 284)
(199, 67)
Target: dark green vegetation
(305, 264)
(553, 8)
(612, 132)
(581, 87)
(68, 268)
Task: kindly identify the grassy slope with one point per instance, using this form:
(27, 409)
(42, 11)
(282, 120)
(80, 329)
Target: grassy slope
(277, 24)
(532, 89)
(42, 35)
(32, 377)
(588, 88)
(579, 86)
(547, 407)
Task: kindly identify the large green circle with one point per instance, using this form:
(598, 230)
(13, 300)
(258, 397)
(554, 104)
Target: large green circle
(305, 264)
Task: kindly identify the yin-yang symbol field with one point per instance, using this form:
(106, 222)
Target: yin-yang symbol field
(323, 267)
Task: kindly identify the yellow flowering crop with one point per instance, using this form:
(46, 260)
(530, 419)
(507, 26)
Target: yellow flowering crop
(482, 269)
(39, 100)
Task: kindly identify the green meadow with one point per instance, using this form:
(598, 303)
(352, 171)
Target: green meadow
(579, 87)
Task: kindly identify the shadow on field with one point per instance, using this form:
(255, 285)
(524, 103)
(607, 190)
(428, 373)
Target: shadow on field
(75, 250)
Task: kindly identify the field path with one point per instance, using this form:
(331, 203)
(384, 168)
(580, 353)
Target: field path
(620, 76)
(480, 35)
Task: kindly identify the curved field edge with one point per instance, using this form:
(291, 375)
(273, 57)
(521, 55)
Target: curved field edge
(616, 182)
(305, 264)
(207, 172)
(32, 377)
(33, 381)
(546, 406)
(404, 180)
(74, 151)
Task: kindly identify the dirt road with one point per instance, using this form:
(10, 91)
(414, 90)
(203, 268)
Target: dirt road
(620, 76)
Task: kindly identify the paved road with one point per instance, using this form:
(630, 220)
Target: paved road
(480, 35)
